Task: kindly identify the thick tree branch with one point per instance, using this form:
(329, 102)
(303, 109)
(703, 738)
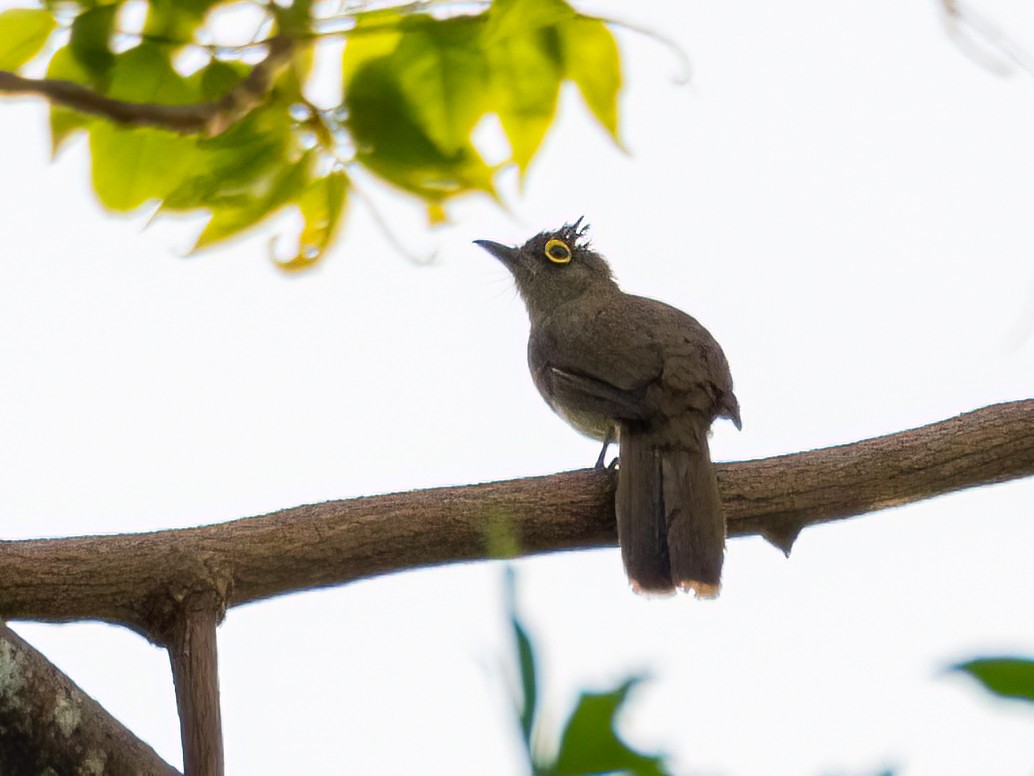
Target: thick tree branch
(141, 580)
(207, 118)
(49, 725)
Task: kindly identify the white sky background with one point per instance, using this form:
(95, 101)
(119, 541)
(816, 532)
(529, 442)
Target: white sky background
(841, 195)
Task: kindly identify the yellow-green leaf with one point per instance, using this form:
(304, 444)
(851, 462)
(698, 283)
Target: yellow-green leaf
(509, 18)
(526, 74)
(23, 33)
(277, 189)
(133, 166)
(226, 177)
(592, 61)
(234, 169)
(322, 205)
(64, 121)
(392, 143)
(375, 36)
(442, 75)
(144, 74)
(175, 19)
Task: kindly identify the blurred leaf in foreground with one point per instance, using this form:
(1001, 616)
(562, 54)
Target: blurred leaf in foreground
(589, 742)
(1008, 677)
(23, 33)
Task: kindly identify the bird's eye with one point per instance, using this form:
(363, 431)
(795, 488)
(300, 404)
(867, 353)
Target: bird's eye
(558, 252)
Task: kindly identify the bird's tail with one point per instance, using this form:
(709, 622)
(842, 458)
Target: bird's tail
(670, 523)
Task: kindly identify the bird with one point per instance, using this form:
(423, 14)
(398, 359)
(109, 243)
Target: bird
(634, 371)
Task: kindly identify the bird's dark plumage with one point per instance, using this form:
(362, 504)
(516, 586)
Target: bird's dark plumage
(634, 370)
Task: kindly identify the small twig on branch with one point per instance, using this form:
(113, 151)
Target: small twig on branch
(49, 725)
(140, 580)
(195, 673)
(206, 118)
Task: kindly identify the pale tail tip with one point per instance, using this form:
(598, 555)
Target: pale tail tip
(699, 589)
(651, 592)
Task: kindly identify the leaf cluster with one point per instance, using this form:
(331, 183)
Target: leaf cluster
(415, 84)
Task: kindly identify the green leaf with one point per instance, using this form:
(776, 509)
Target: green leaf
(526, 73)
(295, 19)
(144, 74)
(1009, 677)
(375, 36)
(175, 20)
(64, 121)
(90, 41)
(411, 133)
(526, 661)
(230, 218)
(133, 166)
(218, 78)
(23, 33)
(515, 18)
(228, 177)
(322, 205)
(591, 745)
(592, 61)
(391, 142)
(438, 69)
(235, 168)
(225, 176)
(442, 75)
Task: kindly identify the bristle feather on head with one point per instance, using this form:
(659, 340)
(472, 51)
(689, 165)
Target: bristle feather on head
(575, 235)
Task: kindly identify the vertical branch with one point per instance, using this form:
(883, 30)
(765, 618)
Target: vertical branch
(195, 672)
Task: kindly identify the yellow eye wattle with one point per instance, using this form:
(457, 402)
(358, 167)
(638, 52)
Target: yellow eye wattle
(558, 252)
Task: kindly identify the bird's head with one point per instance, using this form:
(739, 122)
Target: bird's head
(554, 267)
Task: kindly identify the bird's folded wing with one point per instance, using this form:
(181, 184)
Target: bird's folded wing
(590, 395)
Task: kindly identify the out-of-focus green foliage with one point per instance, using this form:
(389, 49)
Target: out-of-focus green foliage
(23, 33)
(588, 741)
(134, 166)
(1008, 677)
(416, 82)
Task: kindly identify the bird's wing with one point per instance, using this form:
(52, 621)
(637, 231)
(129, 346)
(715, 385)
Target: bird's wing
(589, 395)
(667, 363)
(583, 366)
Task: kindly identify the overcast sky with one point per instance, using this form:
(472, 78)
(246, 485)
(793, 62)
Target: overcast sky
(840, 194)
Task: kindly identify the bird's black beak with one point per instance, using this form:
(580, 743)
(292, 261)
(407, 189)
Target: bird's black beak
(504, 253)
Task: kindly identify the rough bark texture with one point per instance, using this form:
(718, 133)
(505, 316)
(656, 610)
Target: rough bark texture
(141, 580)
(776, 497)
(49, 725)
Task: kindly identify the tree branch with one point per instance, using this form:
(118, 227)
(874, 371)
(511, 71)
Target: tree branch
(207, 118)
(140, 580)
(49, 725)
(192, 652)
